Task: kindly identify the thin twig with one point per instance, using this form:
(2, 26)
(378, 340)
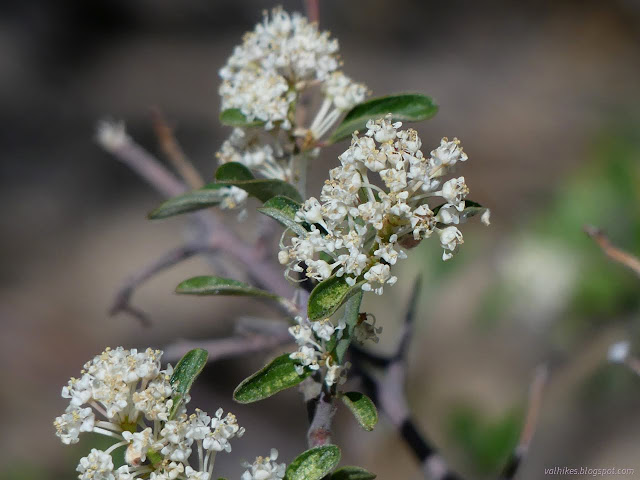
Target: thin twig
(531, 421)
(113, 138)
(313, 10)
(122, 300)
(614, 253)
(174, 152)
(388, 391)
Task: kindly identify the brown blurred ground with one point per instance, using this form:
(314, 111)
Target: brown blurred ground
(524, 85)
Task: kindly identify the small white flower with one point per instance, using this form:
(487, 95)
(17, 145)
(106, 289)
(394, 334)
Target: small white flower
(265, 468)
(450, 238)
(454, 191)
(195, 475)
(446, 155)
(139, 444)
(323, 329)
(98, 465)
(74, 421)
(336, 374)
(376, 277)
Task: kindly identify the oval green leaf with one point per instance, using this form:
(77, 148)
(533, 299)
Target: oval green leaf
(186, 371)
(205, 197)
(233, 172)
(236, 174)
(352, 473)
(233, 117)
(313, 464)
(403, 107)
(212, 285)
(329, 295)
(278, 375)
(362, 408)
(283, 210)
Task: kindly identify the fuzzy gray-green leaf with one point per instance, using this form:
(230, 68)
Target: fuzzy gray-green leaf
(313, 464)
(350, 318)
(237, 175)
(362, 408)
(352, 473)
(212, 285)
(329, 295)
(278, 375)
(205, 197)
(283, 210)
(233, 117)
(186, 371)
(404, 107)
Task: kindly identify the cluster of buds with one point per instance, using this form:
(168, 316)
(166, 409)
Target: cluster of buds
(125, 395)
(284, 57)
(360, 227)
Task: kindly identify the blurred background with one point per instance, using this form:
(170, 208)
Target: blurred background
(545, 98)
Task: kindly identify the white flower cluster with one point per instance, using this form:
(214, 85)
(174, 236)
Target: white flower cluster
(282, 58)
(265, 468)
(125, 395)
(361, 226)
(312, 339)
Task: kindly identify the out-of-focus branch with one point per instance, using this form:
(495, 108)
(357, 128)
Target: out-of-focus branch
(233, 346)
(174, 152)
(312, 8)
(212, 234)
(114, 139)
(531, 421)
(122, 300)
(614, 253)
(388, 391)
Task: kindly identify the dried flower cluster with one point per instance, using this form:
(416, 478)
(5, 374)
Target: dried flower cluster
(361, 226)
(125, 395)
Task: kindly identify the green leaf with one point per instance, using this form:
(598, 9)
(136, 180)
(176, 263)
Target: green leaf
(186, 371)
(278, 375)
(205, 197)
(404, 107)
(211, 285)
(233, 172)
(350, 317)
(362, 408)
(284, 210)
(233, 117)
(329, 295)
(313, 464)
(236, 174)
(352, 473)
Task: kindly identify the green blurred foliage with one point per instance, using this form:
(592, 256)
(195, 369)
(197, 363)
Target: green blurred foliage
(487, 443)
(605, 192)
